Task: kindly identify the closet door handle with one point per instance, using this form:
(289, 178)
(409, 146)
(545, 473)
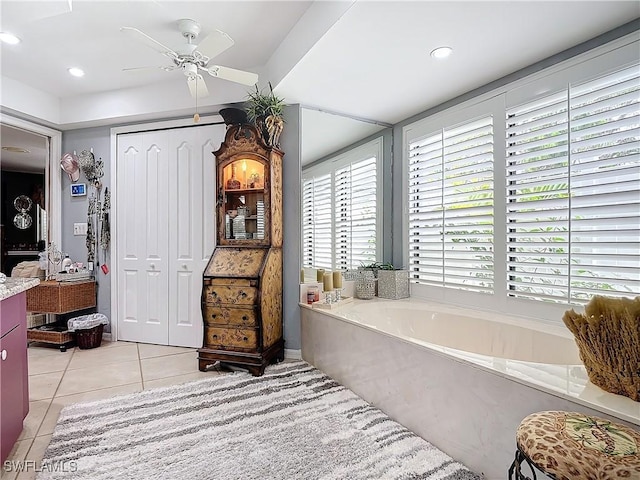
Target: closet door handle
(184, 265)
(4, 355)
(153, 266)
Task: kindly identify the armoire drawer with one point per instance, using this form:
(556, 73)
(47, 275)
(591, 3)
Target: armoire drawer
(217, 294)
(244, 317)
(245, 339)
(239, 282)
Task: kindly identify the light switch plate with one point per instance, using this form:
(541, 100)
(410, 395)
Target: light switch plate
(80, 228)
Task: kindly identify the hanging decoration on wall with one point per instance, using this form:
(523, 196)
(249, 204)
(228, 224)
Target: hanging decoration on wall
(22, 220)
(98, 227)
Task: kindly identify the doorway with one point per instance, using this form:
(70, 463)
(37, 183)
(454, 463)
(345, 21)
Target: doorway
(30, 200)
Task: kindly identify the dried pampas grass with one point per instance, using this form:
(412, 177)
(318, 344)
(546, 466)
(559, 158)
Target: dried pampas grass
(608, 338)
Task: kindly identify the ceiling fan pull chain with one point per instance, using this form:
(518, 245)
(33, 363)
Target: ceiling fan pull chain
(196, 117)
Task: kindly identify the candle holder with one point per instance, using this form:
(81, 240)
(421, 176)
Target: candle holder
(328, 297)
(338, 294)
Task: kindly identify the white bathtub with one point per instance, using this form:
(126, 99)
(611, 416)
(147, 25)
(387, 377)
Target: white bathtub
(461, 379)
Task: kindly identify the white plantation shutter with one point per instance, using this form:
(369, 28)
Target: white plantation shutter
(341, 211)
(356, 214)
(317, 243)
(605, 186)
(451, 207)
(573, 192)
(538, 199)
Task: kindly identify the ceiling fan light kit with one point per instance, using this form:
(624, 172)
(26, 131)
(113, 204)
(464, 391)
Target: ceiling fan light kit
(191, 57)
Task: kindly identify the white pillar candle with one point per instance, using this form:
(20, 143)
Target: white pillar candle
(327, 282)
(337, 279)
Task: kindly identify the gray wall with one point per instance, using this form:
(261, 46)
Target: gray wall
(291, 197)
(74, 209)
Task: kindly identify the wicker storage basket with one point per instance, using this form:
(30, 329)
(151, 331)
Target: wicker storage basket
(57, 334)
(608, 339)
(61, 297)
(89, 337)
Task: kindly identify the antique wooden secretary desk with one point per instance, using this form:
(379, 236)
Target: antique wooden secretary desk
(242, 283)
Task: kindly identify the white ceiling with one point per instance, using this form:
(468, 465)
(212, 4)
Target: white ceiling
(364, 59)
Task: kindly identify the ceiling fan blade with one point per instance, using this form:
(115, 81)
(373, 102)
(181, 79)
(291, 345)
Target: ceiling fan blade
(233, 75)
(197, 88)
(214, 44)
(148, 41)
(166, 68)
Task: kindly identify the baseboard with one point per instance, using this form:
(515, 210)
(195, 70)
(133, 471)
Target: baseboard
(294, 354)
(106, 337)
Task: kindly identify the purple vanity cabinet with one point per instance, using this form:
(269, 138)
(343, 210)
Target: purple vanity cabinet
(14, 382)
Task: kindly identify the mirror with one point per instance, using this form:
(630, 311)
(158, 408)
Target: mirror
(324, 134)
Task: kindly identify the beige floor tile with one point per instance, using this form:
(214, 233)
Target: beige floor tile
(43, 385)
(148, 350)
(102, 376)
(37, 412)
(58, 403)
(36, 454)
(15, 459)
(39, 351)
(96, 357)
(171, 366)
(179, 379)
(48, 363)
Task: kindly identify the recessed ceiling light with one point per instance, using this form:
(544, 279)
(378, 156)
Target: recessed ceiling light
(9, 38)
(441, 52)
(76, 72)
(16, 150)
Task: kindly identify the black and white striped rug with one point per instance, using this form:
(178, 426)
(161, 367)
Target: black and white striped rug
(292, 423)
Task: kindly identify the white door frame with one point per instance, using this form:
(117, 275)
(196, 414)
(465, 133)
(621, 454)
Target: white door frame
(115, 131)
(53, 171)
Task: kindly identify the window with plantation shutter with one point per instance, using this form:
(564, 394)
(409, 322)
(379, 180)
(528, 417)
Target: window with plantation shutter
(317, 231)
(341, 213)
(451, 207)
(356, 214)
(573, 192)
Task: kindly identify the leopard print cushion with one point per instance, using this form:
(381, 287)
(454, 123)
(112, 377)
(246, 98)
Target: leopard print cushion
(570, 446)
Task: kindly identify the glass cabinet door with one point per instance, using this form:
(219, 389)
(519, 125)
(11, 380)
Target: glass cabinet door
(243, 184)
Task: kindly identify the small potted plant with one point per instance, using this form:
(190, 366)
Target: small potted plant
(392, 283)
(266, 111)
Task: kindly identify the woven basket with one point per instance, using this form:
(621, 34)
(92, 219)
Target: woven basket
(89, 337)
(61, 297)
(57, 334)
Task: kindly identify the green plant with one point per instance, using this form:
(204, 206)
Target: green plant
(260, 105)
(377, 266)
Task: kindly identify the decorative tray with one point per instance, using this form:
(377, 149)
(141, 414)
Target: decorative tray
(331, 306)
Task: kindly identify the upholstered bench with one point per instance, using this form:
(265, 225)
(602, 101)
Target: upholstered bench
(572, 446)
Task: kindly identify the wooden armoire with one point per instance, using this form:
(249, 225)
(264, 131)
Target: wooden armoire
(242, 283)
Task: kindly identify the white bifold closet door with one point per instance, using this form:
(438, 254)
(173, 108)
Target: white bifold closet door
(165, 232)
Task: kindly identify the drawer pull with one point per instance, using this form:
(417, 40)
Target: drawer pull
(244, 317)
(245, 339)
(213, 315)
(215, 336)
(4, 355)
(243, 294)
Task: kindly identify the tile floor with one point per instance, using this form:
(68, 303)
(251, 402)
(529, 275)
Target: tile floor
(57, 379)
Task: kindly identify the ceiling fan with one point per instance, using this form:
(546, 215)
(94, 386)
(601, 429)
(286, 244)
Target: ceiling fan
(192, 58)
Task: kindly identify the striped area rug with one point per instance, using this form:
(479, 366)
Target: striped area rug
(292, 423)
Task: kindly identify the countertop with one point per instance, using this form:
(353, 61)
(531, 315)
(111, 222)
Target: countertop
(16, 285)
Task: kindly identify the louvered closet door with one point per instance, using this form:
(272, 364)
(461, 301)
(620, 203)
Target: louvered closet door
(192, 227)
(142, 224)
